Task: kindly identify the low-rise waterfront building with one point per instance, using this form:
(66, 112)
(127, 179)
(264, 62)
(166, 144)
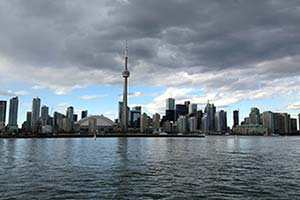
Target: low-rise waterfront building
(250, 129)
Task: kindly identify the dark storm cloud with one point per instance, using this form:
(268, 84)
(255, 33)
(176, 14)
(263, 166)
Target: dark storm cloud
(183, 35)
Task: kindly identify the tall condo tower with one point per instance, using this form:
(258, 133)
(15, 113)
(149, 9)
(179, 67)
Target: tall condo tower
(13, 111)
(36, 109)
(125, 75)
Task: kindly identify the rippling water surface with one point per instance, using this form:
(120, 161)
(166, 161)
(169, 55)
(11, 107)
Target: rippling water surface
(150, 168)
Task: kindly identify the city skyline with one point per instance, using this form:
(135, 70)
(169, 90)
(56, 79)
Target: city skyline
(210, 118)
(73, 57)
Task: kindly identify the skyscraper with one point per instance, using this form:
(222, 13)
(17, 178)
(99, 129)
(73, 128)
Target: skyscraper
(293, 125)
(170, 110)
(45, 114)
(282, 123)
(298, 121)
(187, 103)
(75, 117)
(235, 118)
(28, 121)
(70, 119)
(199, 116)
(192, 109)
(2, 113)
(205, 123)
(268, 121)
(156, 121)
(125, 74)
(144, 123)
(182, 123)
(287, 123)
(36, 107)
(58, 122)
(210, 111)
(84, 114)
(221, 121)
(181, 109)
(254, 116)
(135, 117)
(170, 104)
(192, 124)
(13, 112)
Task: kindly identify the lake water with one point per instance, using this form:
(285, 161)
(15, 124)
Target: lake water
(150, 168)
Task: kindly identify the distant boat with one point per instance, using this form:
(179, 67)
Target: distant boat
(202, 135)
(163, 133)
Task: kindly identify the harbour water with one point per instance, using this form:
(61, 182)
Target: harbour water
(150, 168)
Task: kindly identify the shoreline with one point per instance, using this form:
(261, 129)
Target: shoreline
(91, 136)
(114, 135)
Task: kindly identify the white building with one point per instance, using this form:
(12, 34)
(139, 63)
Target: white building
(182, 124)
(94, 123)
(192, 124)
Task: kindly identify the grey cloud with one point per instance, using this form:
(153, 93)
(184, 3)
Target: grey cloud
(190, 36)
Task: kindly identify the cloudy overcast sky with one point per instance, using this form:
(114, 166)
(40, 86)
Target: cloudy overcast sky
(236, 53)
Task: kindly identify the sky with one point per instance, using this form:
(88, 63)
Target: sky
(237, 54)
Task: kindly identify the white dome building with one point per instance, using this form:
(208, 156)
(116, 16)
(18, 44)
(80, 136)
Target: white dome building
(95, 123)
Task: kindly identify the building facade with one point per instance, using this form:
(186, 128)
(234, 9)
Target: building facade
(182, 124)
(293, 125)
(199, 116)
(210, 111)
(45, 115)
(282, 123)
(13, 112)
(36, 108)
(192, 122)
(70, 119)
(84, 114)
(193, 109)
(135, 117)
(250, 129)
(28, 122)
(235, 118)
(144, 123)
(254, 116)
(268, 121)
(2, 113)
(156, 121)
(221, 121)
(170, 104)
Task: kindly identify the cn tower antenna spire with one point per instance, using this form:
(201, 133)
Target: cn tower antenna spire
(125, 74)
(126, 49)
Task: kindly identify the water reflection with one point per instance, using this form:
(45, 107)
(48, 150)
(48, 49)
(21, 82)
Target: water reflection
(150, 168)
(121, 169)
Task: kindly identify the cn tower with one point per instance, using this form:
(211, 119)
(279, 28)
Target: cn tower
(125, 74)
